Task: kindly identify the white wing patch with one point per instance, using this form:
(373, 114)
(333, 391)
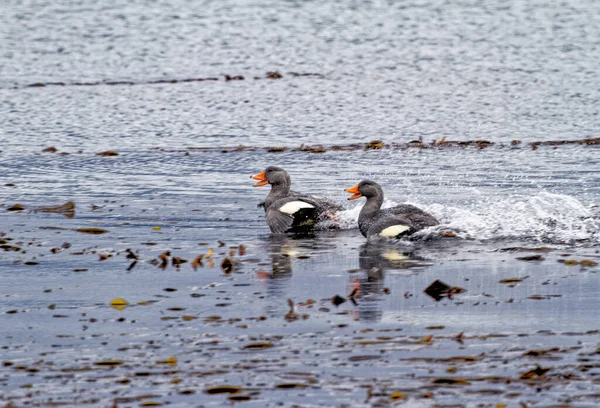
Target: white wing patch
(293, 206)
(394, 256)
(394, 231)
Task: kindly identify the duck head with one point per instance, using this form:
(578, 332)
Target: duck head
(272, 175)
(365, 188)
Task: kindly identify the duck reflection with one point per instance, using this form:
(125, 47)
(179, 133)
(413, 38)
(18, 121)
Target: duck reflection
(374, 259)
(282, 251)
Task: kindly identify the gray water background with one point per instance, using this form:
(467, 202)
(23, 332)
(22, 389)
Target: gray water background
(395, 71)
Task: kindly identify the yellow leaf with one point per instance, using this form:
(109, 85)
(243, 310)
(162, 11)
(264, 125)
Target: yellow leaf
(209, 253)
(172, 361)
(425, 340)
(398, 395)
(157, 228)
(119, 303)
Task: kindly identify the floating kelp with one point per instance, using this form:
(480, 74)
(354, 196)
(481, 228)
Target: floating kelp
(91, 230)
(67, 209)
(439, 290)
(379, 145)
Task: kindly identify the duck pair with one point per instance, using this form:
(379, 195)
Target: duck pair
(290, 211)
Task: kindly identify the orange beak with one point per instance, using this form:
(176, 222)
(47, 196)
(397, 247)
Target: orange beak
(355, 193)
(262, 180)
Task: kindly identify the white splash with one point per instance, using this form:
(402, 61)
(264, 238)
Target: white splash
(544, 217)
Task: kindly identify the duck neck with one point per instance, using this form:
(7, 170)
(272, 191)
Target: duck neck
(372, 205)
(277, 192)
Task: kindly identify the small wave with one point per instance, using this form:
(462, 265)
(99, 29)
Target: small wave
(544, 217)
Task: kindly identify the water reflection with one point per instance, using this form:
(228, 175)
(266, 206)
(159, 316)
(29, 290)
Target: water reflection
(283, 251)
(374, 260)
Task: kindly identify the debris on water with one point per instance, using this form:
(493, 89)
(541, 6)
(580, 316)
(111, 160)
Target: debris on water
(104, 257)
(355, 292)
(274, 75)
(535, 373)
(240, 397)
(374, 145)
(584, 263)
(177, 261)
(513, 249)
(156, 228)
(67, 209)
(223, 389)
(531, 258)
(512, 280)
(227, 265)
(109, 363)
(451, 381)
(171, 361)
(209, 253)
(242, 250)
(287, 386)
(438, 290)
(398, 395)
(108, 153)
(164, 259)
(197, 262)
(291, 315)
(338, 300)
(131, 254)
(119, 303)
(426, 339)
(91, 230)
(234, 78)
(449, 234)
(50, 149)
(260, 345)
(540, 353)
(16, 207)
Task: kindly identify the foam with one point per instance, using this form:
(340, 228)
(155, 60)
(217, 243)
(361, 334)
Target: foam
(544, 217)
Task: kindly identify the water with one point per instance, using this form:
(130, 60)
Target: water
(394, 72)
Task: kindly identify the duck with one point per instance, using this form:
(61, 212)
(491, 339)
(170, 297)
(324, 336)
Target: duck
(396, 222)
(290, 211)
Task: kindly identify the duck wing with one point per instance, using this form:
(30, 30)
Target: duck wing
(390, 226)
(293, 214)
(324, 203)
(278, 222)
(419, 218)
